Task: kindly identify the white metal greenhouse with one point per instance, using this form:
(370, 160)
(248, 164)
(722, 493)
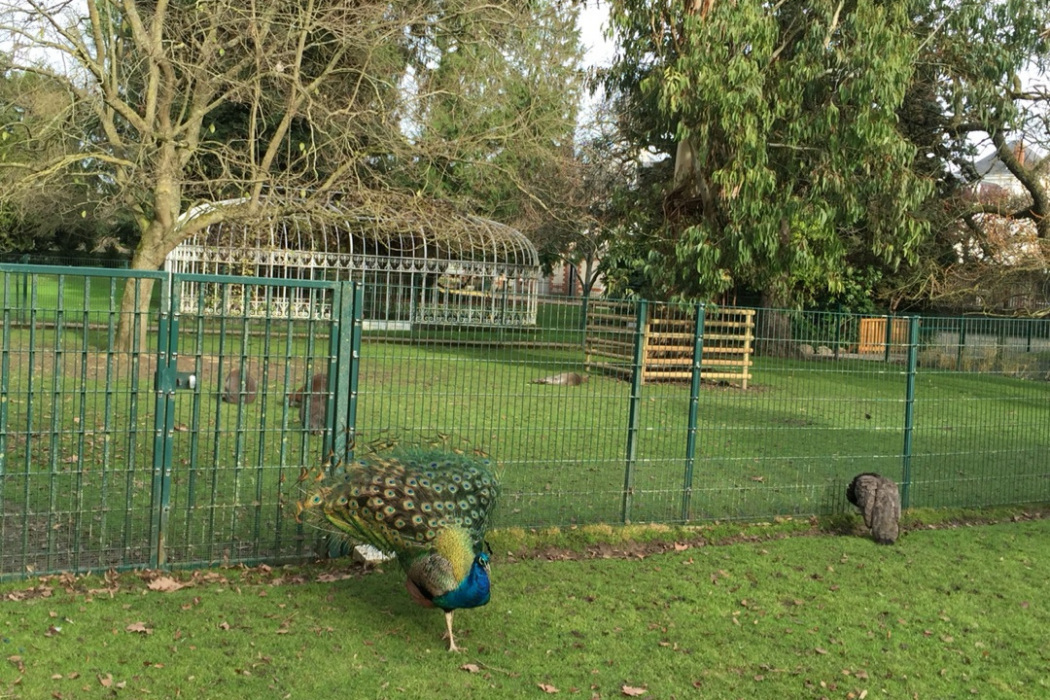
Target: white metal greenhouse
(454, 269)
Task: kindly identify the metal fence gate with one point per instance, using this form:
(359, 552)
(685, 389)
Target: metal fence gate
(182, 448)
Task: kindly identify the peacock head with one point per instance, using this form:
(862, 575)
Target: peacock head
(482, 560)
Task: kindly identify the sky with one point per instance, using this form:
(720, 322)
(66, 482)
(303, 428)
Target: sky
(592, 23)
(598, 50)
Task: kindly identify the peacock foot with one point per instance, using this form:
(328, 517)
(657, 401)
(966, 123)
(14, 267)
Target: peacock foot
(448, 633)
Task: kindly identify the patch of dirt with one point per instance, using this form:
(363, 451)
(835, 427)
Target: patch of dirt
(326, 571)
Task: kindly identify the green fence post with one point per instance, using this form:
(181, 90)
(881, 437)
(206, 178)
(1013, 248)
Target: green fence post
(889, 338)
(5, 373)
(837, 320)
(962, 344)
(633, 410)
(346, 346)
(909, 407)
(23, 303)
(337, 379)
(82, 420)
(355, 366)
(583, 319)
(163, 425)
(694, 412)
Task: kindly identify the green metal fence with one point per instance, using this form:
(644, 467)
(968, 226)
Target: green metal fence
(154, 456)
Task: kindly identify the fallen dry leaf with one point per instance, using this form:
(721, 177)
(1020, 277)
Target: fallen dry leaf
(165, 584)
(470, 668)
(631, 691)
(106, 680)
(139, 628)
(331, 578)
(547, 688)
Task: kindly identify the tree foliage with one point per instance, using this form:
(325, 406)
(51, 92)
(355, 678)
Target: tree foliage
(980, 88)
(35, 125)
(500, 119)
(288, 104)
(790, 173)
(820, 147)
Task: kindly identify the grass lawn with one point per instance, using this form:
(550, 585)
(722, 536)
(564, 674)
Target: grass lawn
(946, 613)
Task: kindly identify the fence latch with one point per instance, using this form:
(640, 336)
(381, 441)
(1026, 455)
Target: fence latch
(185, 380)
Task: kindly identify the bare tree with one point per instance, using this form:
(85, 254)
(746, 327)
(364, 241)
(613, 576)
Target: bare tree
(265, 102)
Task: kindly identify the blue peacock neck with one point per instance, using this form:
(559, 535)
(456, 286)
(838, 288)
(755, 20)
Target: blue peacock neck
(472, 591)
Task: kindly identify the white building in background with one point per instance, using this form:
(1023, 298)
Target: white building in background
(996, 178)
(566, 279)
(1007, 242)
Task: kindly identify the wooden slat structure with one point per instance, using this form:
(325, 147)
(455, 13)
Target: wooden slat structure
(873, 335)
(667, 343)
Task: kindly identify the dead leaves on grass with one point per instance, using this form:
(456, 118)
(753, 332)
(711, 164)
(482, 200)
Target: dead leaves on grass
(627, 691)
(139, 628)
(166, 584)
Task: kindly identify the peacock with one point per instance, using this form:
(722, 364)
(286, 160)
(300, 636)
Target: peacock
(430, 506)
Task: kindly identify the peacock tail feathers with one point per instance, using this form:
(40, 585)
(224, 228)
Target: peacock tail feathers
(410, 499)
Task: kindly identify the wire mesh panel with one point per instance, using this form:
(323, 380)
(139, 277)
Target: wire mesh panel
(261, 409)
(93, 472)
(816, 413)
(183, 445)
(522, 396)
(982, 412)
(76, 420)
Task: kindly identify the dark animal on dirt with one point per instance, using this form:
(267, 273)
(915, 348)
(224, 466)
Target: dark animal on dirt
(237, 391)
(428, 505)
(880, 504)
(312, 400)
(563, 379)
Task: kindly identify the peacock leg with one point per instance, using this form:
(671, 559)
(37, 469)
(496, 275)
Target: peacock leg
(448, 625)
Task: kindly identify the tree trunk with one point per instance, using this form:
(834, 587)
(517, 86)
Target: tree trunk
(159, 237)
(135, 315)
(590, 275)
(773, 335)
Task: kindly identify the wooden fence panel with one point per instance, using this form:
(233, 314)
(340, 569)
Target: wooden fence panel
(873, 335)
(668, 343)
